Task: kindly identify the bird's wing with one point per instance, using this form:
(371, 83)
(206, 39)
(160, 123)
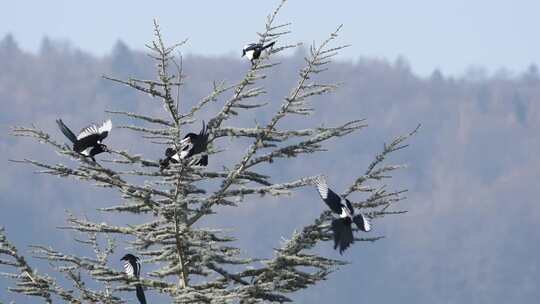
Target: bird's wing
(362, 222)
(132, 267)
(105, 129)
(349, 206)
(185, 142)
(88, 131)
(253, 47)
(269, 45)
(137, 269)
(67, 132)
(186, 147)
(129, 269)
(102, 131)
(86, 142)
(86, 151)
(329, 197)
(106, 126)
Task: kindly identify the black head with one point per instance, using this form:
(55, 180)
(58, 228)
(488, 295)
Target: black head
(129, 257)
(103, 148)
(191, 136)
(248, 47)
(99, 148)
(169, 152)
(245, 49)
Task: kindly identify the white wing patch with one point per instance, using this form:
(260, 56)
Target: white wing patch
(185, 141)
(183, 154)
(90, 130)
(86, 152)
(322, 186)
(106, 127)
(176, 157)
(128, 269)
(249, 54)
(367, 224)
(345, 212)
(93, 129)
(186, 145)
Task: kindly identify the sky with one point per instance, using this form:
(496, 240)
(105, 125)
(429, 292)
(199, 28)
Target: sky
(451, 35)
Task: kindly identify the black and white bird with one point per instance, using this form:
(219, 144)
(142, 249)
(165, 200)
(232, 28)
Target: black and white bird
(253, 51)
(89, 140)
(343, 235)
(132, 268)
(192, 144)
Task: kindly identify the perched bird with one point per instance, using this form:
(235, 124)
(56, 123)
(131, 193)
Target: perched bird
(88, 142)
(132, 268)
(253, 51)
(343, 235)
(191, 145)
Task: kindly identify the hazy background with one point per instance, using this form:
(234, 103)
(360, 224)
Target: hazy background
(471, 234)
(451, 35)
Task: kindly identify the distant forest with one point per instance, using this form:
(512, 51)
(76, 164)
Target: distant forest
(474, 163)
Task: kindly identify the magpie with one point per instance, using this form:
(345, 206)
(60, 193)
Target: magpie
(343, 235)
(88, 142)
(191, 145)
(253, 51)
(132, 268)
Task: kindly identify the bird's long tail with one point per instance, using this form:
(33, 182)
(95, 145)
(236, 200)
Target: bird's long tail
(140, 294)
(67, 132)
(170, 152)
(343, 235)
(268, 45)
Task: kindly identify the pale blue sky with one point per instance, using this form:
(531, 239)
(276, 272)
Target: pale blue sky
(451, 35)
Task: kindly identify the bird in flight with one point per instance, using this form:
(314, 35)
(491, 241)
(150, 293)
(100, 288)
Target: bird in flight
(132, 268)
(341, 227)
(191, 145)
(88, 142)
(253, 51)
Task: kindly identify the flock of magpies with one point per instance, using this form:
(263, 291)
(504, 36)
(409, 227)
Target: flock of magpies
(193, 147)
